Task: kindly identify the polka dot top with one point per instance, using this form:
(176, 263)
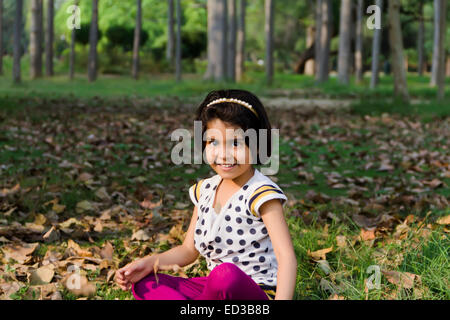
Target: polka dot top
(237, 233)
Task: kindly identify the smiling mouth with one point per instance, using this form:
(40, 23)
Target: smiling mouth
(226, 165)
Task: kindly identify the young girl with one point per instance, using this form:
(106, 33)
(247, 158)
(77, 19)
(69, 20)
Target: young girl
(237, 224)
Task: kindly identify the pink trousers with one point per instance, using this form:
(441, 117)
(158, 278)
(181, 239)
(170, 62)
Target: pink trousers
(224, 282)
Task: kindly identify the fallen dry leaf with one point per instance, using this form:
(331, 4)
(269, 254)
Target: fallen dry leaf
(83, 206)
(85, 177)
(325, 266)
(58, 208)
(98, 226)
(6, 192)
(40, 219)
(56, 296)
(102, 194)
(140, 235)
(401, 279)
(444, 220)
(364, 222)
(42, 275)
(107, 251)
(69, 222)
(433, 183)
(367, 235)
(9, 288)
(401, 231)
(47, 291)
(20, 253)
(319, 254)
(341, 241)
(81, 252)
(51, 235)
(147, 204)
(8, 213)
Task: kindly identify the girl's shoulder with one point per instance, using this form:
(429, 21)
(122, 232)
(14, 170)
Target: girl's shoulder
(259, 181)
(261, 189)
(200, 187)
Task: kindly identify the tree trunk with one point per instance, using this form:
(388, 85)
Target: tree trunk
(447, 73)
(359, 72)
(137, 40)
(49, 39)
(1, 37)
(376, 45)
(210, 47)
(36, 39)
(93, 40)
(232, 41)
(17, 41)
(269, 40)
(309, 64)
(396, 50)
(178, 46)
(325, 38)
(170, 32)
(240, 58)
(344, 42)
(225, 38)
(72, 51)
(216, 40)
(437, 17)
(441, 48)
(318, 28)
(420, 42)
(72, 55)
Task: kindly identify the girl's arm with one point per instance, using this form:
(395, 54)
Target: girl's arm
(273, 217)
(181, 255)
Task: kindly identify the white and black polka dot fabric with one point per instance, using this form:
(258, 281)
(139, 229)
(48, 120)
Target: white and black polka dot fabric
(237, 234)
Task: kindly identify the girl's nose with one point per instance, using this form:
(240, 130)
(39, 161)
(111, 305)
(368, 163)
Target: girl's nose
(225, 154)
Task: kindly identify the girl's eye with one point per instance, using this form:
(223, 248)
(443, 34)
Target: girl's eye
(213, 142)
(236, 143)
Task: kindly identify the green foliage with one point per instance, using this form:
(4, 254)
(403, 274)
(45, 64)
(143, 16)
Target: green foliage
(82, 35)
(123, 37)
(193, 44)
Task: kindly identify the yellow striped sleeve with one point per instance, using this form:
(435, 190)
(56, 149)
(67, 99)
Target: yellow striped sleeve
(262, 194)
(194, 192)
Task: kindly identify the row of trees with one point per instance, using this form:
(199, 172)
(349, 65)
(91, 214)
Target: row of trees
(37, 39)
(323, 34)
(226, 37)
(222, 42)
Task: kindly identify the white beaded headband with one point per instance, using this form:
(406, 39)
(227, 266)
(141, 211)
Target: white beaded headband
(242, 103)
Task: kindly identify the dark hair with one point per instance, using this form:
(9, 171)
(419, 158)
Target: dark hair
(236, 114)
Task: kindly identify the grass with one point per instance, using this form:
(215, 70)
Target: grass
(193, 85)
(344, 146)
(123, 90)
(428, 258)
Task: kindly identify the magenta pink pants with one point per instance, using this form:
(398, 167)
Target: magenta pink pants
(224, 282)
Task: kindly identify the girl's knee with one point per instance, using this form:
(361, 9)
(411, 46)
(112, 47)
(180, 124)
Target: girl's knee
(226, 269)
(225, 274)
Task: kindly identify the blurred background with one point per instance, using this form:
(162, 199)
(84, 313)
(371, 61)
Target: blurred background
(91, 90)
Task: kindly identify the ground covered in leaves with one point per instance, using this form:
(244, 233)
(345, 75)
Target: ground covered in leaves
(87, 187)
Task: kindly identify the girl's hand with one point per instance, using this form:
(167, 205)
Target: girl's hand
(133, 272)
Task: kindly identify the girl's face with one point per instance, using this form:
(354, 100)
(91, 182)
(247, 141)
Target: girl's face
(226, 150)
